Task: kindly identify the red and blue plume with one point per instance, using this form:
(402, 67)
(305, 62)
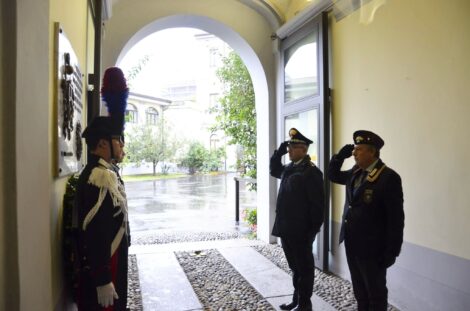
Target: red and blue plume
(115, 92)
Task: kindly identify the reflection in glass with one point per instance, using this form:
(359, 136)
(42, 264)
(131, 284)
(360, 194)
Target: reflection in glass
(300, 70)
(307, 123)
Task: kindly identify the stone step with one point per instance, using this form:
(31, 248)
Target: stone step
(269, 280)
(165, 286)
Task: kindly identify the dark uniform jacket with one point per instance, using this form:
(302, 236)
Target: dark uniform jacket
(300, 202)
(96, 239)
(373, 216)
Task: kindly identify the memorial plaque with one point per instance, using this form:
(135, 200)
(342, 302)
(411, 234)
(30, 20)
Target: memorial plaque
(69, 106)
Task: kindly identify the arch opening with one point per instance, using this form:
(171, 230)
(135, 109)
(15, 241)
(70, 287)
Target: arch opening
(260, 86)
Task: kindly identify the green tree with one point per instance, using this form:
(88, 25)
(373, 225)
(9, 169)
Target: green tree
(133, 72)
(213, 160)
(199, 159)
(235, 111)
(149, 143)
(194, 158)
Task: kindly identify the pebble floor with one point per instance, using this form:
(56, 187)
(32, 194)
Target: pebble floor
(134, 297)
(220, 287)
(331, 288)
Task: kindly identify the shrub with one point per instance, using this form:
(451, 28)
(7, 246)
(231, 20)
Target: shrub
(250, 217)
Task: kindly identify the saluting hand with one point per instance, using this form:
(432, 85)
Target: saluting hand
(345, 152)
(282, 150)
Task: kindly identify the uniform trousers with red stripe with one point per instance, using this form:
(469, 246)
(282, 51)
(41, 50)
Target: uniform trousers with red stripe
(87, 294)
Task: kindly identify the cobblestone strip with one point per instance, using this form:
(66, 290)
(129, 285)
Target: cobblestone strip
(184, 237)
(134, 297)
(332, 289)
(217, 284)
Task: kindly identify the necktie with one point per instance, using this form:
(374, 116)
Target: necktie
(360, 179)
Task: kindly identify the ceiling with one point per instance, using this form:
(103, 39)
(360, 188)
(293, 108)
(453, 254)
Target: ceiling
(281, 8)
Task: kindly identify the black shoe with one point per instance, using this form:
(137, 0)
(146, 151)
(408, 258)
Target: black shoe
(289, 306)
(305, 308)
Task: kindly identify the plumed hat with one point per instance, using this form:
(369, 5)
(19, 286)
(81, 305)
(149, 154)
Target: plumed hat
(114, 92)
(99, 127)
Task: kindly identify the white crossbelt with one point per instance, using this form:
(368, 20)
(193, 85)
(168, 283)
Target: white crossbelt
(117, 239)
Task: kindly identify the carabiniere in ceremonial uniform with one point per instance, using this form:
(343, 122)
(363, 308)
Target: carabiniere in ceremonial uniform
(102, 206)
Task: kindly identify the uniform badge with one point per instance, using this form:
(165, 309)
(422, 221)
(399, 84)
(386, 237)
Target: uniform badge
(359, 139)
(368, 195)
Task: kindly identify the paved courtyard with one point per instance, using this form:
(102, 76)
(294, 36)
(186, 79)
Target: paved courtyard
(200, 203)
(189, 254)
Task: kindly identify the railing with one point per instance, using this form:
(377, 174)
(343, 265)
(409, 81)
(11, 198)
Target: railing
(237, 194)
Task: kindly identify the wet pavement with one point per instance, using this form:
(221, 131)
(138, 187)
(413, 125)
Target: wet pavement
(168, 273)
(200, 203)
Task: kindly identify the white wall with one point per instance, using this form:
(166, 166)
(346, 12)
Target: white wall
(405, 75)
(33, 155)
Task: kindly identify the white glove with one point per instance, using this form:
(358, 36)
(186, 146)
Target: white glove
(106, 294)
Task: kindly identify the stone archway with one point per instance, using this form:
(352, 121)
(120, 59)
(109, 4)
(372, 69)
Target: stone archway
(265, 130)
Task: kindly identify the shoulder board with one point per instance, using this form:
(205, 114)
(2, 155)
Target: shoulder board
(375, 173)
(102, 178)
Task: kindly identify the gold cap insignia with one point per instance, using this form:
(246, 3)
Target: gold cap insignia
(292, 132)
(359, 139)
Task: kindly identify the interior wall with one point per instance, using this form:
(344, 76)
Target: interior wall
(400, 68)
(9, 285)
(403, 72)
(33, 154)
(73, 18)
(38, 210)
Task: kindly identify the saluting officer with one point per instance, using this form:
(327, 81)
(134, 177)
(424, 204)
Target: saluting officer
(299, 214)
(373, 217)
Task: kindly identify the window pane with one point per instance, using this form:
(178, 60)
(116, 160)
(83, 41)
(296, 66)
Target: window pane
(300, 69)
(307, 123)
(131, 116)
(131, 113)
(152, 116)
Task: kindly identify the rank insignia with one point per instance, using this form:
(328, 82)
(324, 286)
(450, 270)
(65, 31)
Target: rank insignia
(359, 139)
(368, 195)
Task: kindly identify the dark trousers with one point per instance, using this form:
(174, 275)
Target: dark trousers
(299, 256)
(369, 282)
(87, 294)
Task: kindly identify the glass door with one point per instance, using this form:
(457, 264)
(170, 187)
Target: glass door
(307, 123)
(305, 105)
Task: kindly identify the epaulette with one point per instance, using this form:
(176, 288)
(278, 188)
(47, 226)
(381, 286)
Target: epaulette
(102, 177)
(375, 173)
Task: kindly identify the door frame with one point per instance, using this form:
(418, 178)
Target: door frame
(322, 102)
